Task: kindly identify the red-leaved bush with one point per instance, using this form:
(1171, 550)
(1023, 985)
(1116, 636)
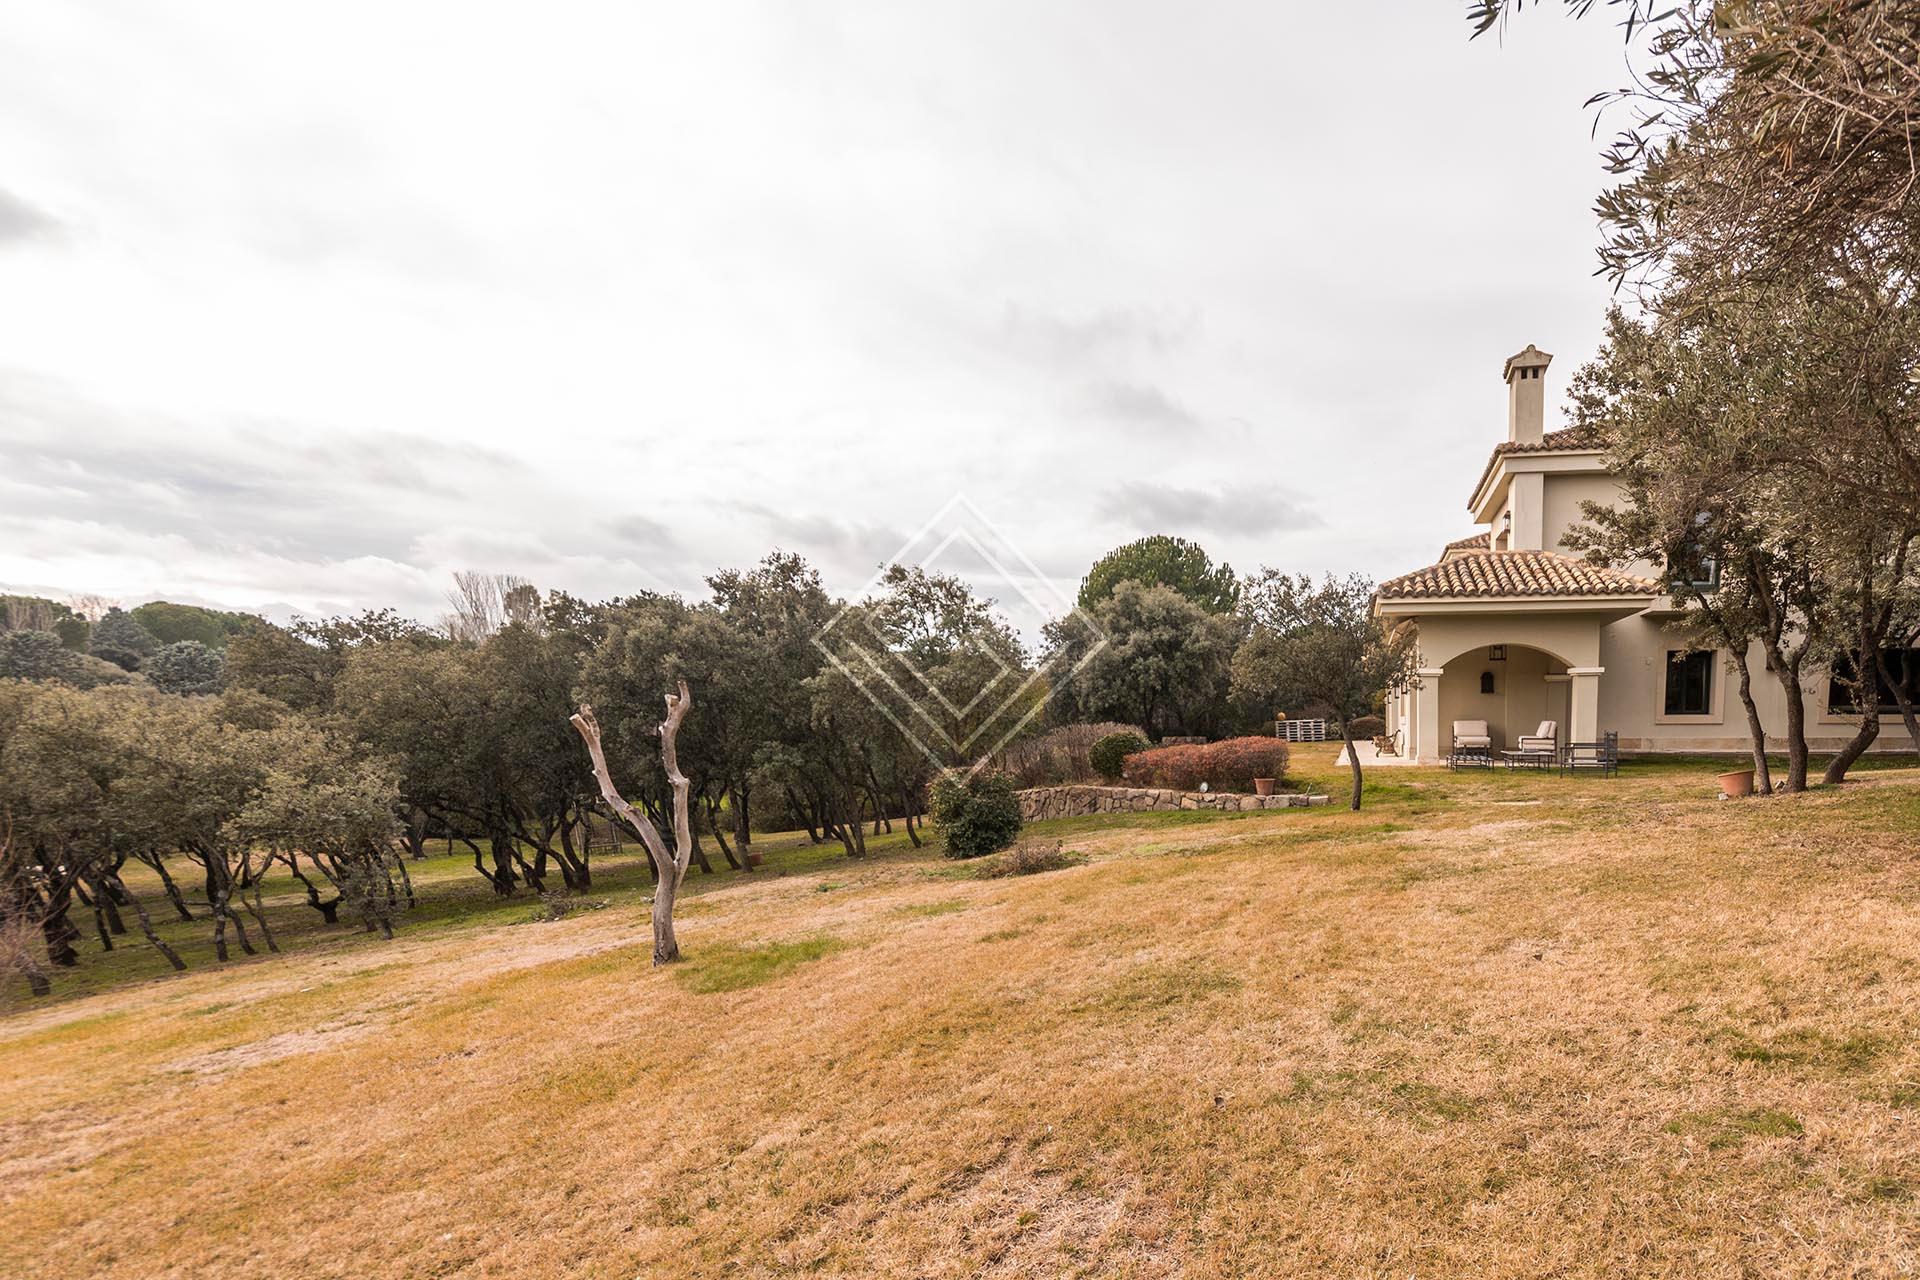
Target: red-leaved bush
(1224, 766)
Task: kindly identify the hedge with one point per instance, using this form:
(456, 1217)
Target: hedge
(1231, 765)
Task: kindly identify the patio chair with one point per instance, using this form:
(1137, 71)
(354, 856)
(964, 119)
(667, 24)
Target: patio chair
(1538, 749)
(1386, 744)
(1602, 757)
(1472, 744)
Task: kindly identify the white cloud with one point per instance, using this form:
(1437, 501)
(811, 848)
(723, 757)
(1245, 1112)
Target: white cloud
(341, 301)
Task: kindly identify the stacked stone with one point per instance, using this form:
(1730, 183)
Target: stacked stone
(1078, 801)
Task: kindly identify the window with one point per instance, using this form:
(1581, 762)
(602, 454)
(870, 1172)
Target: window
(1701, 564)
(1706, 573)
(1902, 664)
(1689, 683)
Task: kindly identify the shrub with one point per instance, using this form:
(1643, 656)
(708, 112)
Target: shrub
(1111, 752)
(1028, 858)
(1224, 766)
(978, 815)
(1364, 727)
(1057, 756)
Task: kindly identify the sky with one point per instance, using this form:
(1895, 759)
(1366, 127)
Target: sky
(304, 309)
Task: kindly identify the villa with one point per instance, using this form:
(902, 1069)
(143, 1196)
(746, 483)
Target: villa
(1514, 629)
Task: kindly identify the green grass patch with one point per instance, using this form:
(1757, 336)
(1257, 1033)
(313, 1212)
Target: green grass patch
(1426, 1101)
(1161, 986)
(945, 908)
(1804, 1047)
(730, 968)
(1725, 1127)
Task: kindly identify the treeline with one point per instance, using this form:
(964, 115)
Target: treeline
(325, 755)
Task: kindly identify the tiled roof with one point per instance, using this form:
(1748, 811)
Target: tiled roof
(1565, 440)
(1494, 574)
(1480, 541)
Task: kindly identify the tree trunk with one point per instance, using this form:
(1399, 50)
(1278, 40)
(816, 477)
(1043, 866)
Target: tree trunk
(153, 938)
(159, 864)
(1788, 676)
(672, 867)
(1867, 661)
(500, 844)
(907, 807)
(1353, 762)
(712, 806)
(1856, 747)
(742, 823)
(1903, 694)
(416, 835)
(1756, 732)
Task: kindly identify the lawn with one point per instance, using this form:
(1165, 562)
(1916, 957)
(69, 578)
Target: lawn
(1492, 1025)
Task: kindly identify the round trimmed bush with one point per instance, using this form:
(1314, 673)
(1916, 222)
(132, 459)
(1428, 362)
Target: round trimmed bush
(978, 815)
(1364, 727)
(1109, 755)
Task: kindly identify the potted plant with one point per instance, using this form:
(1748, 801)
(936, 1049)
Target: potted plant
(1736, 783)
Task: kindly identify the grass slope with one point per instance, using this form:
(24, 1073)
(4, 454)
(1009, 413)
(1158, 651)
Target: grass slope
(1493, 1025)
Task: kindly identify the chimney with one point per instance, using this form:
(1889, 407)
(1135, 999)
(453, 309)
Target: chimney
(1527, 395)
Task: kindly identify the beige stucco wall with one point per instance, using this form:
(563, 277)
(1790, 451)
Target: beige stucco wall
(1572, 638)
(1631, 653)
(1564, 494)
(1633, 699)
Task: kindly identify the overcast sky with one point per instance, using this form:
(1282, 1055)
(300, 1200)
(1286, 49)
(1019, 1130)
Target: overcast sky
(305, 308)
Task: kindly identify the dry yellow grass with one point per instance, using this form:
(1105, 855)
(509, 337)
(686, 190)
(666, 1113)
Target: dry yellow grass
(1493, 1026)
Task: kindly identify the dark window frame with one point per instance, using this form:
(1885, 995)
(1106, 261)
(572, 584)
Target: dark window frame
(1840, 697)
(1691, 694)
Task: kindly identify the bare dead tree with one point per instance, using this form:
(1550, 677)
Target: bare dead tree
(485, 602)
(672, 867)
(92, 607)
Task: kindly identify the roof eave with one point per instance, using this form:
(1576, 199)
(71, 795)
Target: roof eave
(1623, 602)
(1486, 493)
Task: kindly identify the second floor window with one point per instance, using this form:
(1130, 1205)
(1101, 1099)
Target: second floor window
(1689, 683)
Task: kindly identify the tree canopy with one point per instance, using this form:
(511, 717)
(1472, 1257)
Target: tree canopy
(1159, 560)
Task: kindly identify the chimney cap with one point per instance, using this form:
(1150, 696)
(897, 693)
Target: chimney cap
(1531, 358)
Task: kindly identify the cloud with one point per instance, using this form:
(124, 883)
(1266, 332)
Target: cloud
(139, 504)
(1239, 510)
(20, 221)
(1138, 406)
(1055, 339)
(843, 544)
(643, 533)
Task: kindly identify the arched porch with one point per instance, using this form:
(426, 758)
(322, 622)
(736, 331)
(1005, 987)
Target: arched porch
(1511, 672)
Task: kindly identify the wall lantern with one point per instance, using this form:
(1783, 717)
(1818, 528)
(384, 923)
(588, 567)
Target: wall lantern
(1496, 653)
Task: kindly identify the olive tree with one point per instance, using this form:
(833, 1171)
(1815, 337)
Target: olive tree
(1321, 646)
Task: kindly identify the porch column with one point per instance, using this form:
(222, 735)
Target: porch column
(1583, 706)
(1426, 706)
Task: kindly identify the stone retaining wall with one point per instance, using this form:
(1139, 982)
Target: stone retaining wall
(1077, 801)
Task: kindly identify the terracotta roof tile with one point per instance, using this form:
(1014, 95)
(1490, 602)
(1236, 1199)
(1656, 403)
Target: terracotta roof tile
(1494, 574)
(1565, 440)
(1480, 541)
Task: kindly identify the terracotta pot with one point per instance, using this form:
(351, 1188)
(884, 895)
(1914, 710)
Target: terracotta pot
(755, 859)
(1263, 786)
(1736, 784)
